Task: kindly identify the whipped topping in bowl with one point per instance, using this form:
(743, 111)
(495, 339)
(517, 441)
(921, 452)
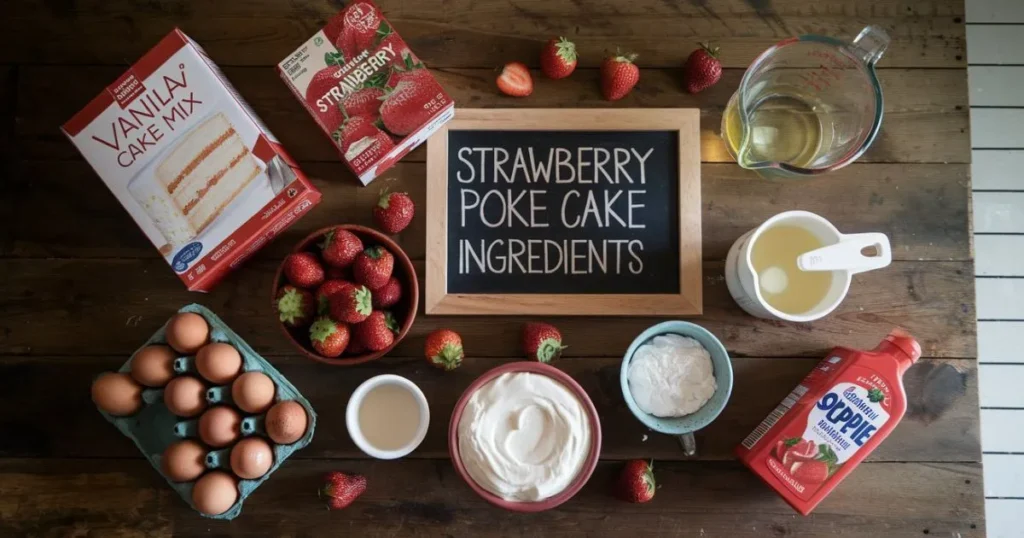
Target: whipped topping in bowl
(524, 436)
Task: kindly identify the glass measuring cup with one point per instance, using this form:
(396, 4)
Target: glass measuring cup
(807, 105)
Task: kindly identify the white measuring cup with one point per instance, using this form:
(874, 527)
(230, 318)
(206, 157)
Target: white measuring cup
(843, 255)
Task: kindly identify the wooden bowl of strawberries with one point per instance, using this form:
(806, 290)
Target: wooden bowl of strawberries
(346, 295)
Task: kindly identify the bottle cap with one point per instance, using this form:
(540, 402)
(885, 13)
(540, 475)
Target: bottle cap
(906, 343)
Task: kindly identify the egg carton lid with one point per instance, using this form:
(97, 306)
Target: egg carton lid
(154, 427)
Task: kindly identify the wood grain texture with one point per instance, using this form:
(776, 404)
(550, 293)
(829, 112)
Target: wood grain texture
(922, 208)
(941, 424)
(110, 306)
(687, 302)
(929, 127)
(426, 498)
(484, 33)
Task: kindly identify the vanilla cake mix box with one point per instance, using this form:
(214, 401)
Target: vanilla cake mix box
(368, 92)
(204, 179)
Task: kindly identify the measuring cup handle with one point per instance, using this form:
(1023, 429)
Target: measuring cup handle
(880, 242)
(870, 44)
(688, 444)
(846, 255)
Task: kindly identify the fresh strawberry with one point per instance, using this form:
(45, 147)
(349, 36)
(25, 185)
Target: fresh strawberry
(387, 295)
(340, 247)
(295, 307)
(325, 107)
(373, 267)
(515, 80)
(303, 269)
(618, 76)
(410, 70)
(702, 69)
(636, 482)
(329, 338)
(542, 342)
(325, 291)
(809, 472)
(362, 102)
(359, 29)
(409, 105)
(378, 331)
(351, 304)
(558, 58)
(341, 489)
(444, 349)
(393, 212)
(355, 346)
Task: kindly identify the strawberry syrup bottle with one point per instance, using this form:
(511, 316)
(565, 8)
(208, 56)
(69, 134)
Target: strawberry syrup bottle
(831, 421)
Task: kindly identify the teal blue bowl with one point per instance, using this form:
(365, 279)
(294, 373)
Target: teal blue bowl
(723, 376)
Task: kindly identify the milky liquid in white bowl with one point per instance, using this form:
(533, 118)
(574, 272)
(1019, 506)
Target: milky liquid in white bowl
(389, 417)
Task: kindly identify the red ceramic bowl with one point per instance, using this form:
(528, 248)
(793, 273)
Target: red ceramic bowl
(588, 465)
(405, 310)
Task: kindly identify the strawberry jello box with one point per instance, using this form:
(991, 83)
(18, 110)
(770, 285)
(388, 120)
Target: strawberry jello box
(370, 94)
(190, 161)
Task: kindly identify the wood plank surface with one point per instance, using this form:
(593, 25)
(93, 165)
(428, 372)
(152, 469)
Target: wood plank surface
(930, 127)
(110, 306)
(941, 424)
(922, 208)
(426, 498)
(482, 33)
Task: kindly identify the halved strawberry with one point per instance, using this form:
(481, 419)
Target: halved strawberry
(515, 80)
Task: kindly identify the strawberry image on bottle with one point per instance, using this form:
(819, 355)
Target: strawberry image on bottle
(831, 421)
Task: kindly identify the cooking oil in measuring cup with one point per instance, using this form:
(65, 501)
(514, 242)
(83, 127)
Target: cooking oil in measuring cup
(788, 127)
(784, 286)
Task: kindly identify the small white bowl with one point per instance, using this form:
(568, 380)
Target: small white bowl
(352, 416)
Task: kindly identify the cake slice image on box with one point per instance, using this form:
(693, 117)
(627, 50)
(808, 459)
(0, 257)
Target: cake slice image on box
(196, 180)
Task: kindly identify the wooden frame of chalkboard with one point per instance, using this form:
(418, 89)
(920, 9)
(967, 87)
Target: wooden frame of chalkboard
(678, 251)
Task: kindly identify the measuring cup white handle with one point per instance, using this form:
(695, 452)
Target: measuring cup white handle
(846, 255)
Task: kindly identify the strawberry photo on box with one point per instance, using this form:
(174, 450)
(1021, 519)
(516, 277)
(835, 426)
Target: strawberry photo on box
(366, 89)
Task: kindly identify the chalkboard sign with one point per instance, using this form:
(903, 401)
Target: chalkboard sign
(564, 212)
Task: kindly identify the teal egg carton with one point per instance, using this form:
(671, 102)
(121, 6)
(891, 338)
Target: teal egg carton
(154, 427)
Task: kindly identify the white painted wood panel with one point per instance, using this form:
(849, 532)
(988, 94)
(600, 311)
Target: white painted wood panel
(998, 169)
(995, 44)
(1004, 518)
(1001, 11)
(999, 212)
(1000, 298)
(1004, 475)
(999, 255)
(1000, 341)
(992, 85)
(1001, 430)
(999, 386)
(997, 128)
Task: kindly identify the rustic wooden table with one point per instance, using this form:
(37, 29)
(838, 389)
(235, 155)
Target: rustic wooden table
(80, 287)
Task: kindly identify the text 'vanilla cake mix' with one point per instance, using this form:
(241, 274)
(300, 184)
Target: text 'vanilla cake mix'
(366, 89)
(195, 167)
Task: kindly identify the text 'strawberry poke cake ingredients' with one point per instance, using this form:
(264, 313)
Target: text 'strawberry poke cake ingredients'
(524, 437)
(671, 376)
(368, 92)
(190, 161)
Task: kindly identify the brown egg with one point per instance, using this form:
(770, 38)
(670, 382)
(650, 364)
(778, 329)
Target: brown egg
(117, 394)
(251, 458)
(220, 426)
(187, 332)
(184, 461)
(185, 396)
(153, 366)
(215, 493)
(219, 363)
(286, 422)
(253, 392)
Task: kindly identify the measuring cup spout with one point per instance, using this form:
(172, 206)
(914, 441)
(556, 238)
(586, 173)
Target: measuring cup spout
(870, 44)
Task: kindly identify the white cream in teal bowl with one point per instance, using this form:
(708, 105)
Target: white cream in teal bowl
(680, 382)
